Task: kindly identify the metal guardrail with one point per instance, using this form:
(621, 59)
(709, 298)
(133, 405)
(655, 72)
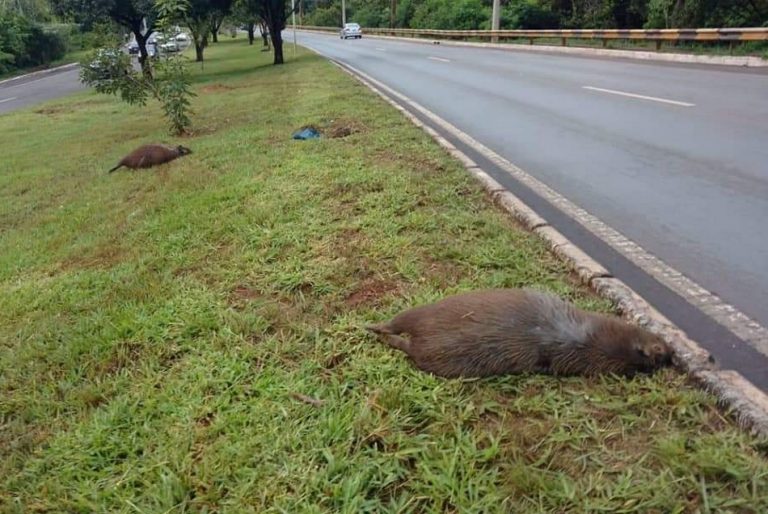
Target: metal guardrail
(657, 35)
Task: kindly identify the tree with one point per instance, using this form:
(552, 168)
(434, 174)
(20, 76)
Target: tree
(529, 15)
(217, 18)
(275, 14)
(199, 18)
(131, 14)
(242, 15)
(37, 10)
(264, 31)
(451, 14)
(24, 43)
(110, 72)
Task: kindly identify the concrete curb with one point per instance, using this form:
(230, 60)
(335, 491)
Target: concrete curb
(748, 405)
(719, 60)
(41, 72)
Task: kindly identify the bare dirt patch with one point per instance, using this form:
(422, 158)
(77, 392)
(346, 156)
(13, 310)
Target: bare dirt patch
(370, 291)
(343, 127)
(60, 109)
(216, 88)
(104, 256)
(416, 162)
(245, 293)
(48, 111)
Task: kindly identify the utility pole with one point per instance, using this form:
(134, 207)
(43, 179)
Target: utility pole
(343, 13)
(392, 13)
(293, 14)
(495, 17)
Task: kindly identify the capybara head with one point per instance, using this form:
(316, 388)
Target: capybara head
(650, 350)
(183, 150)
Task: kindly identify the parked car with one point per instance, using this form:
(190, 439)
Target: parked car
(169, 46)
(352, 30)
(109, 64)
(182, 37)
(133, 47)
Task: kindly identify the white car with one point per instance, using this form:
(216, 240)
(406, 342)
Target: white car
(351, 30)
(169, 46)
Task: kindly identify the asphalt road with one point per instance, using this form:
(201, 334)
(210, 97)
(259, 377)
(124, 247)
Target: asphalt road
(28, 91)
(683, 173)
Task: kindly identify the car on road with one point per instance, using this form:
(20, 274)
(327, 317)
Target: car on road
(108, 64)
(352, 30)
(169, 46)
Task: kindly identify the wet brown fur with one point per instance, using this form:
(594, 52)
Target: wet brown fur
(150, 155)
(502, 331)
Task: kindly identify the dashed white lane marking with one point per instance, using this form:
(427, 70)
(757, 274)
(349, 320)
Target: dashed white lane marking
(642, 97)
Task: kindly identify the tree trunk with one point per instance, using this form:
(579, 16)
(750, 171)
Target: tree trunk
(141, 41)
(276, 33)
(199, 30)
(199, 48)
(251, 35)
(264, 34)
(216, 20)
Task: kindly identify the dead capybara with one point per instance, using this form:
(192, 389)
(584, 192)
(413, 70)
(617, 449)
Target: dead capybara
(150, 155)
(502, 331)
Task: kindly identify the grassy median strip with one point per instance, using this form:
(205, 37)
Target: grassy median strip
(188, 339)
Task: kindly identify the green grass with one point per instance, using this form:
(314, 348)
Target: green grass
(157, 326)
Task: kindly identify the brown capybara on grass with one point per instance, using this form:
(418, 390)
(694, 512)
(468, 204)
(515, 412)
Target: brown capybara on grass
(150, 155)
(503, 331)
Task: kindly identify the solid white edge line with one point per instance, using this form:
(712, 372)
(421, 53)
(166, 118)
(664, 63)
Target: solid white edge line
(8, 99)
(642, 97)
(438, 59)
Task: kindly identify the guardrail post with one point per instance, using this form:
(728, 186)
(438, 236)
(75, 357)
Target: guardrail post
(564, 41)
(658, 45)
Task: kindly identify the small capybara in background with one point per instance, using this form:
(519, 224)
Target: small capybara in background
(503, 331)
(150, 155)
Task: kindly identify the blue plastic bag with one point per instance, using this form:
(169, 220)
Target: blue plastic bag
(306, 133)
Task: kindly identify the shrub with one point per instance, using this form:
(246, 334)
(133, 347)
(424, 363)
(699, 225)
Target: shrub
(26, 44)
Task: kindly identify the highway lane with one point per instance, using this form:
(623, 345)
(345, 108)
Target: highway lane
(675, 157)
(27, 91)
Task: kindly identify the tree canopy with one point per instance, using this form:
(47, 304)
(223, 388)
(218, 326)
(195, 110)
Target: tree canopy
(131, 14)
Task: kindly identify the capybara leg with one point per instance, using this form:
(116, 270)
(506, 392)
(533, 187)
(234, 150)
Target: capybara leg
(388, 337)
(398, 342)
